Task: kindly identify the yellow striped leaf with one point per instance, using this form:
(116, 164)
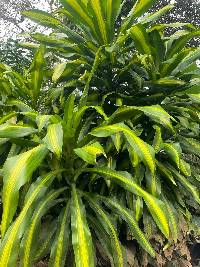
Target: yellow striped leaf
(30, 240)
(37, 69)
(126, 214)
(15, 131)
(54, 138)
(173, 151)
(42, 121)
(99, 19)
(10, 243)
(157, 141)
(155, 113)
(113, 9)
(144, 150)
(138, 9)
(78, 12)
(185, 182)
(90, 152)
(16, 172)
(61, 243)
(111, 231)
(155, 206)
(42, 17)
(81, 236)
(139, 35)
(172, 220)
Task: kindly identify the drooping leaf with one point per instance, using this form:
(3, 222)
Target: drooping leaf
(110, 229)
(127, 216)
(179, 43)
(15, 131)
(155, 206)
(61, 243)
(173, 152)
(42, 17)
(185, 182)
(81, 236)
(155, 113)
(30, 242)
(16, 172)
(9, 247)
(144, 151)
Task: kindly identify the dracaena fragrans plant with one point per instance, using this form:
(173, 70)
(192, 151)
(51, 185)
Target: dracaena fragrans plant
(104, 143)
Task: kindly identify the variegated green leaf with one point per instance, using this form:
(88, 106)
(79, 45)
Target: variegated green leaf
(69, 110)
(172, 220)
(140, 37)
(58, 71)
(126, 214)
(90, 152)
(15, 131)
(144, 151)
(157, 141)
(16, 172)
(7, 117)
(77, 12)
(149, 18)
(185, 168)
(138, 9)
(190, 145)
(42, 121)
(81, 236)
(61, 243)
(54, 138)
(99, 18)
(155, 206)
(173, 151)
(110, 229)
(30, 239)
(42, 17)
(10, 244)
(155, 113)
(164, 171)
(37, 69)
(186, 183)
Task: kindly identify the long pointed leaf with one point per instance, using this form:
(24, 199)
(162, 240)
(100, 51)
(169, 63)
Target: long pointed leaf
(108, 226)
(127, 216)
(54, 138)
(61, 242)
(81, 236)
(155, 206)
(30, 243)
(145, 151)
(10, 244)
(16, 172)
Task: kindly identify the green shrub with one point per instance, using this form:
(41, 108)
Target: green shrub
(93, 149)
